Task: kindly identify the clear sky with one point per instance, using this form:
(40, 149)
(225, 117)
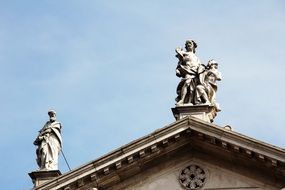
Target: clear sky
(108, 68)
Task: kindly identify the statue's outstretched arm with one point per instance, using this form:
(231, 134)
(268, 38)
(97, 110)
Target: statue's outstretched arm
(179, 52)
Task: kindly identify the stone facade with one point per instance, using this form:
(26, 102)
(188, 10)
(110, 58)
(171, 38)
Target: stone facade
(189, 154)
(166, 176)
(163, 159)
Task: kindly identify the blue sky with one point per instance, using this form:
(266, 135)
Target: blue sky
(108, 68)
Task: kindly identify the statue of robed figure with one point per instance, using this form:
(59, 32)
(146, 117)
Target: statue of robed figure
(49, 144)
(198, 81)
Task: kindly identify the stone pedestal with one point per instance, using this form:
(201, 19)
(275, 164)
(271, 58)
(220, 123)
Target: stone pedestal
(204, 112)
(40, 177)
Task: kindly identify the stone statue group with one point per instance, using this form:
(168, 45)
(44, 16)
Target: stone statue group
(197, 87)
(198, 82)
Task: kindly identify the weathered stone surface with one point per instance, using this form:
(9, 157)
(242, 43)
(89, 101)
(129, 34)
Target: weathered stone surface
(198, 85)
(166, 176)
(156, 161)
(188, 69)
(40, 177)
(204, 112)
(49, 144)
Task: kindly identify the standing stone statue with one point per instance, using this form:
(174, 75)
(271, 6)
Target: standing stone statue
(49, 144)
(198, 84)
(188, 69)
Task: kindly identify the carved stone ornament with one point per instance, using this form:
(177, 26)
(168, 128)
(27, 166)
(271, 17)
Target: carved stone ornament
(49, 144)
(192, 177)
(198, 85)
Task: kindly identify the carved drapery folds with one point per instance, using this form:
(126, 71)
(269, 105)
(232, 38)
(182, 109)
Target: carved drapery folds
(198, 81)
(49, 144)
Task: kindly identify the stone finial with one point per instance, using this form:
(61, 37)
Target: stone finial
(228, 127)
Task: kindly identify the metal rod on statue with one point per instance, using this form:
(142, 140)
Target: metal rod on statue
(65, 160)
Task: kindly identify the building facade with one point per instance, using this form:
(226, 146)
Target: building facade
(187, 154)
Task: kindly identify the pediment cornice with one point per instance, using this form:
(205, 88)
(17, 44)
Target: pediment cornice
(130, 158)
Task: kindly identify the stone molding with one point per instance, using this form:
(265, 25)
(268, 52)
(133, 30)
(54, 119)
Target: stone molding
(129, 159)
(40, 177)
(203, 112)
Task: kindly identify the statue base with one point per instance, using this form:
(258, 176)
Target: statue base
(204, 112)
(40, 177)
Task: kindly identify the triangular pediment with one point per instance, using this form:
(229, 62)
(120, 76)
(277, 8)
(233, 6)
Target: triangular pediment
(168, 176)
(230, 158)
